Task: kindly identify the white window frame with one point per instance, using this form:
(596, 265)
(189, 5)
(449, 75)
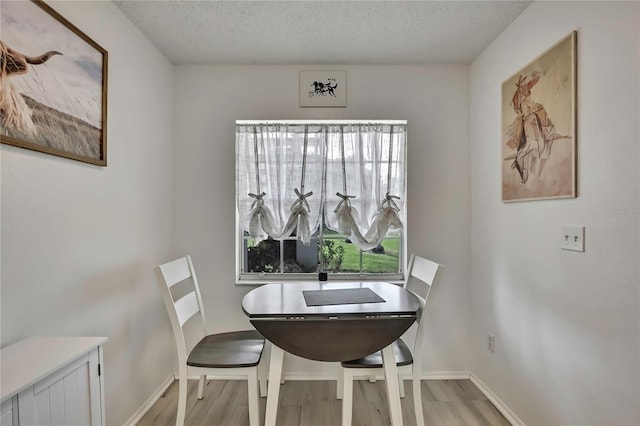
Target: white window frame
(253, 278)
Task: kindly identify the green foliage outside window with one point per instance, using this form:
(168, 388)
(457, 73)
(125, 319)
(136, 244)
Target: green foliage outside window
(332, 255)
(336, 254)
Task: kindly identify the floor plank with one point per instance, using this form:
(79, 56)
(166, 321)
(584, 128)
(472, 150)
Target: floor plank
(314, 403)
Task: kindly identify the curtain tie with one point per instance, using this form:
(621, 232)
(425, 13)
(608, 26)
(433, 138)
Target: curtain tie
(301, 199)
(345, 198)
(258, 199)
(388, 198)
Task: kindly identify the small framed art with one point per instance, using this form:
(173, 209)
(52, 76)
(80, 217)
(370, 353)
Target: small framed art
(325, 88)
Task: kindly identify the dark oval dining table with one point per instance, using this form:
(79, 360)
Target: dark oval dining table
(342, 330)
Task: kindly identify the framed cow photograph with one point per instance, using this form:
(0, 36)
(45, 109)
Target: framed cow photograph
(53, 84)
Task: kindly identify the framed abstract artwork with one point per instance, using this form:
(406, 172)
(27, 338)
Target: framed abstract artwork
(539, 127)
(323, 88)
(53, 84)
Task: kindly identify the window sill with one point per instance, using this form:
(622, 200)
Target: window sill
(257, 279)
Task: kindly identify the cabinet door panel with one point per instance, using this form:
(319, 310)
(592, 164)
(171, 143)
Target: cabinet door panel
(77, 396)
(6, 419)
(41, 409)
(9, 412)
(56, 404)
(71, 402)
(69, 396)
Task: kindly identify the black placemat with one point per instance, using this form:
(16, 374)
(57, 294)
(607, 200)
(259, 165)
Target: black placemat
(343, 296)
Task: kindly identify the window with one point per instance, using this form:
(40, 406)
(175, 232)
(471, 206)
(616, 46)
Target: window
(320, 196)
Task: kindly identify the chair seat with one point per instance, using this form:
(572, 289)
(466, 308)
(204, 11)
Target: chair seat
(374, 360)
(228, 350)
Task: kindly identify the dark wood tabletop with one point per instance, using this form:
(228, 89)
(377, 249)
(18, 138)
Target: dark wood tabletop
(286, 300)
(339, 332)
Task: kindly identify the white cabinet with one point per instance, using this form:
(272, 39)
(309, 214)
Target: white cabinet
(53, 381)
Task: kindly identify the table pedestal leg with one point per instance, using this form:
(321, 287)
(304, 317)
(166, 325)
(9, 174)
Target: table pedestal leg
(391, 379)
(273, 391)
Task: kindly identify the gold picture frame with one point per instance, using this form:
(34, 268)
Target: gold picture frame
(53, 84)
(539, 137)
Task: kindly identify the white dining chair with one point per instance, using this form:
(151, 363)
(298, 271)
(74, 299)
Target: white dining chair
(420, 280)
(233, 354)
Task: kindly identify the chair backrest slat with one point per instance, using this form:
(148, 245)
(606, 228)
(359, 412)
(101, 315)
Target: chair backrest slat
(186, 307)
(175, 271)
(420, 276)
(423, 269)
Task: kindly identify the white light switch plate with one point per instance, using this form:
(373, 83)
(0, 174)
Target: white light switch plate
(572, 238)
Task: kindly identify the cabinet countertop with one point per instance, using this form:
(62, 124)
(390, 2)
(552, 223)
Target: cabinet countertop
(28, 361)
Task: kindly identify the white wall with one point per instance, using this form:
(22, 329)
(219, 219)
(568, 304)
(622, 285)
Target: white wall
(434, 100)
(79, 242)
(566, 323)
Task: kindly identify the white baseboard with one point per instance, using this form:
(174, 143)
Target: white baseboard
(431, 375)
(210, 377)
(140, 412)
(495, 400)
(445, 375)
(299, 376)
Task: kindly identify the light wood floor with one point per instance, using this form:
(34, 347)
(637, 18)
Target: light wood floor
(314, 403)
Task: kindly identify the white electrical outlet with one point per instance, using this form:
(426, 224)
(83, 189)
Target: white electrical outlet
(491, 343)
(572, 238)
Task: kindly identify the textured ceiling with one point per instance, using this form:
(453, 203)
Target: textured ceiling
(321, 32)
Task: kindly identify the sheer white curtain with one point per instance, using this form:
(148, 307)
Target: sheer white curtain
(279, 171)
(365, 181)
(288, 174)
